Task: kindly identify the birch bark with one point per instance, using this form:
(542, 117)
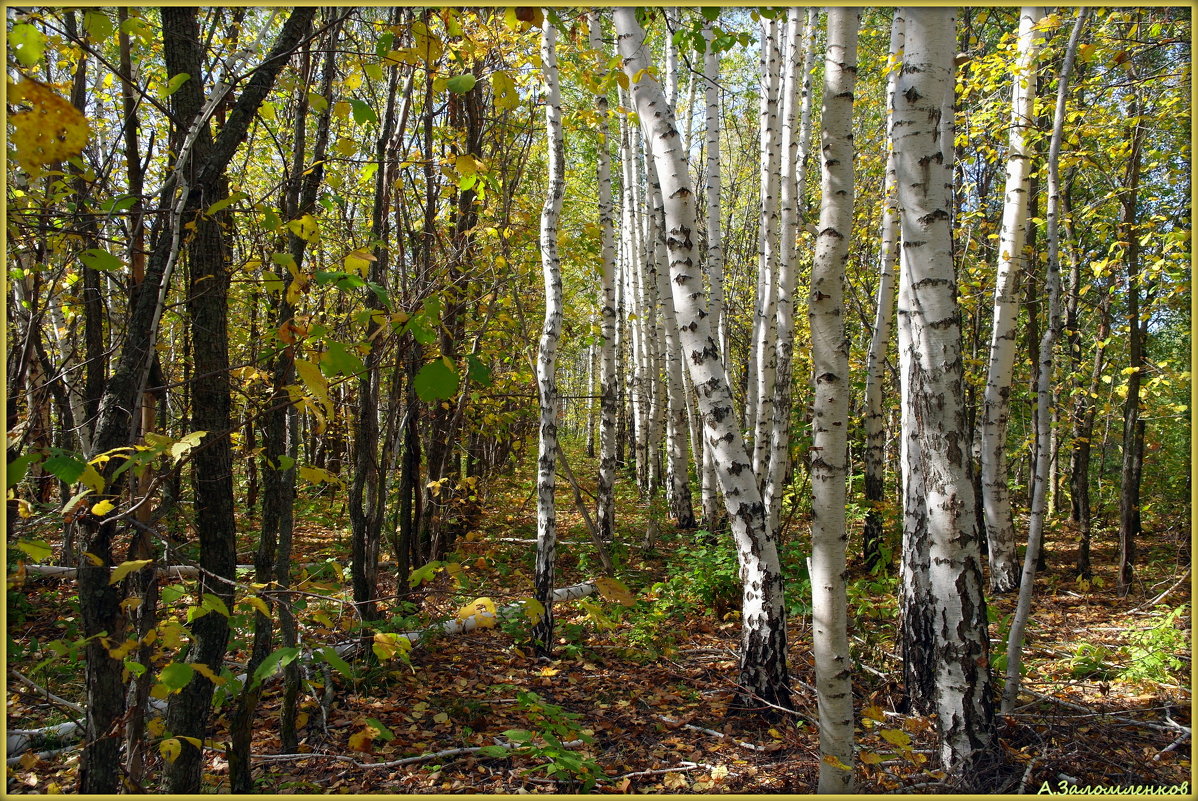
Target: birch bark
(1000, 531)
(944, 542)
(1044, 380)
(875, 429)
(830, 367)
(608, 378)
(763, 676)
(547, 355)
(796, 107)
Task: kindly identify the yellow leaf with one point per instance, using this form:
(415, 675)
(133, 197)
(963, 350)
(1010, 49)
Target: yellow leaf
(91, 557)
(484, 608)
(359, 262)
(46, 129)
(615, 590)
(170, 749)
(24, 508)
(156, 726)
(124, 568)
(441, 717)
(896, 737)
(873, 712)
(122, 650)
(102, 508)
(206, 672)
(362, 741)
(28, 760)
(870, 758)
(835, 762)
(257, 603)
(533, 609)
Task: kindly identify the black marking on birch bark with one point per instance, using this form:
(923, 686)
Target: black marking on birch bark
(912, 94)
(928, 219)
(831, 231)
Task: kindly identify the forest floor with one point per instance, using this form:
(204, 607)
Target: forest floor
(637, 699)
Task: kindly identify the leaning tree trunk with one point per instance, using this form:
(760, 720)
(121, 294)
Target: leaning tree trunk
(830, 377)
(945, 540)
(1043, 381)
(1000, 530)
(875, 369)
(547, 356)
(763, 675)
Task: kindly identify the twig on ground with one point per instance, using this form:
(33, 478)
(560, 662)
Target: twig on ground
(681, 768)
(412, 760)
(713, 733)
(28, 682)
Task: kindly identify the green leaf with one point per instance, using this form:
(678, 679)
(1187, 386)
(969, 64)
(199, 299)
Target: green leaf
(476, 371)
(340, 360)
(220, 205)
(98, 26)
(66, 469)
(363, 113)
(435, 381)
(423, 574)
(334, 659)
(185, 445)
(18, 468)
(518, 735)
(280, 659)
(495, 751)
(214, 604)
(99, 259)
(174, 84)
(27, 42)
(122, 203)
(383, 733)
(461, 84)
(176, 675)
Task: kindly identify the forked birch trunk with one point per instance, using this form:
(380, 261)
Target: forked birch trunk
(763, 679)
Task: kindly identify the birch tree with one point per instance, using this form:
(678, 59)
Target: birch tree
(608, 378)
(830, 369)
(1000, 531)
(714, 257)
(763, 674)
(762, 363)
(942, 544)
(796, 109)
(875, 429)
(547, 355)
(1044, 379)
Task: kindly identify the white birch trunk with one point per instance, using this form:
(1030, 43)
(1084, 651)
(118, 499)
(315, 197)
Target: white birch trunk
(875, 374)
(763, 674)
(547, 354)
(678, 491)
(608, 377)
(634, 308)
(959, 642)
(830, 368)
(1041, 486)
(764, 362)
(1000, 531)
(796, 109)
(714, 262)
